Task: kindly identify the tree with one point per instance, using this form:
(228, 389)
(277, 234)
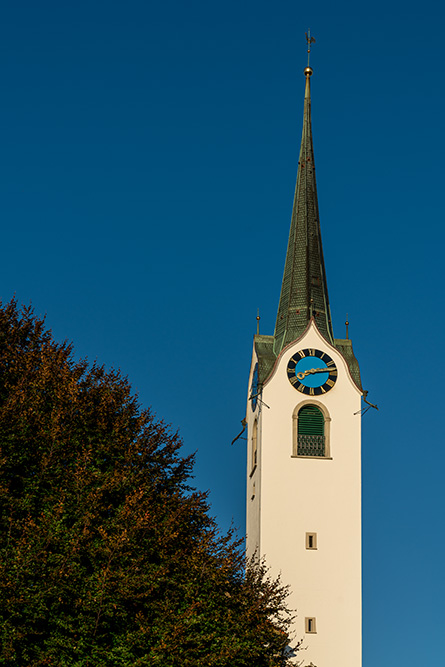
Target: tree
(107, 555)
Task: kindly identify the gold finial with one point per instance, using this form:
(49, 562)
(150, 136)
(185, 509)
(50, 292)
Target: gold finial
(258, 322)
(347, 327)
(310, 40)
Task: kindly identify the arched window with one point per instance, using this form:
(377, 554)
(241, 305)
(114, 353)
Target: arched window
(311, 436)
(254, 444)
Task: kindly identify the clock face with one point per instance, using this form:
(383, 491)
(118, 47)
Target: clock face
(312, 372)
(254, 388)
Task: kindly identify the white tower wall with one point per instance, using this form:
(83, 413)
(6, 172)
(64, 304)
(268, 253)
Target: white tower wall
(289, 496)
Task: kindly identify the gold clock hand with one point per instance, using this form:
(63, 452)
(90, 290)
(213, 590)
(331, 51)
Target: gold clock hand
(311, 371)
(303, 374)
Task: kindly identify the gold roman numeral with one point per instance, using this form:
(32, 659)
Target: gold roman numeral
(330, 382)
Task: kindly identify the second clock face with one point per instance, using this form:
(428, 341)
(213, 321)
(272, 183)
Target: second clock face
(312, 372)
(254, 388)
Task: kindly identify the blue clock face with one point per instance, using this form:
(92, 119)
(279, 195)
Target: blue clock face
(312, 372)
(254, 388)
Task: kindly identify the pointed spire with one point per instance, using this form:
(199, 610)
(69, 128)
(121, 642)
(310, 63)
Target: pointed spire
(304, 292)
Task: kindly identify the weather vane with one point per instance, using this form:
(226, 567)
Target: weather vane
(310, 40)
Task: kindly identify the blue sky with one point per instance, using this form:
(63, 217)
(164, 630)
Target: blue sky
(148, 163)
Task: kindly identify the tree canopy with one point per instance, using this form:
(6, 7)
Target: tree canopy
(107, 555)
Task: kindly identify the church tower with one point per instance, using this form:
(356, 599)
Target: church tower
(304, 462)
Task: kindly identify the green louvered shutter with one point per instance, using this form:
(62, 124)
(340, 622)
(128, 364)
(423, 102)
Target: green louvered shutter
(310, 431)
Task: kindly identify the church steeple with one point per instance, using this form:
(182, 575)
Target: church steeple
(298, 506)
(304, 292)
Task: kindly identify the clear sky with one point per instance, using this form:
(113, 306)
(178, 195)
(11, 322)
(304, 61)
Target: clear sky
(148, 163)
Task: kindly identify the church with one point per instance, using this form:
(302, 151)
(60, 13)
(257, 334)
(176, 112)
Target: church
(304, 444)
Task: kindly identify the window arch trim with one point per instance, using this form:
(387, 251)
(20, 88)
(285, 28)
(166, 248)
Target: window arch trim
(254, 447)
(327, 430)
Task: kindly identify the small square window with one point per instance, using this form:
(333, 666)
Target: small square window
(310, 625)
(311, 540)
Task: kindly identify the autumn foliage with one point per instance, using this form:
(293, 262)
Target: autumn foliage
(107, 556)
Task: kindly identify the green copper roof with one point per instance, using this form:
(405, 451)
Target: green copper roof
(344, 346)
(304, 291)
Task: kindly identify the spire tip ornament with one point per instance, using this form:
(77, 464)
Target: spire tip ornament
(310, 40)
